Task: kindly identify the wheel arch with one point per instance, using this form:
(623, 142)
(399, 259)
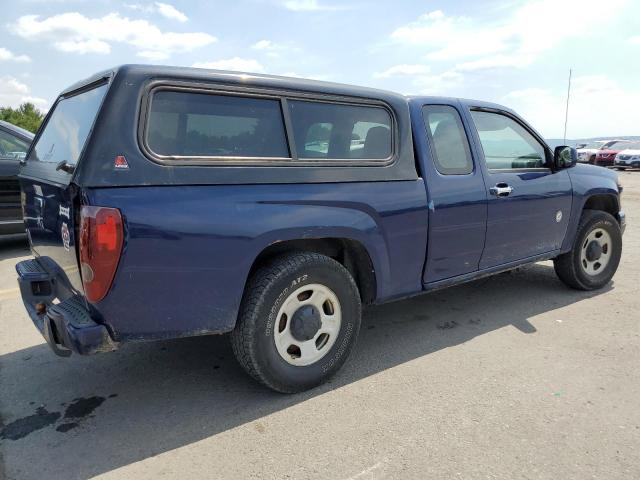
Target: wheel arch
(350, 253)
(603, 200)
(607, 202)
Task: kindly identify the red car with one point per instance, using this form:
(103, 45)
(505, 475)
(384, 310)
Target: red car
(606, 156)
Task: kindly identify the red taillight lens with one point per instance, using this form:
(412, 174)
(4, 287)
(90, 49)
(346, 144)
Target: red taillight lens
(101, 237)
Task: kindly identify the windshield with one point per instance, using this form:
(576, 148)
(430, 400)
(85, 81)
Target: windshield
(12, 147)
(593, 145)
(618, 146)
(68, 126)
(632, 146)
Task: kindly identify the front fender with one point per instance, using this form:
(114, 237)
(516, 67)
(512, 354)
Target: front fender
(588, 182)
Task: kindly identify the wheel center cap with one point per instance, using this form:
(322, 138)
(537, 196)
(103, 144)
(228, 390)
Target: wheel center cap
(594, 251)
(305, 323)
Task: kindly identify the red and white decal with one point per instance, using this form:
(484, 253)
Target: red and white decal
(120, 163)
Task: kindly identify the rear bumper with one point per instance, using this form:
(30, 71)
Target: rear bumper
(67, 326)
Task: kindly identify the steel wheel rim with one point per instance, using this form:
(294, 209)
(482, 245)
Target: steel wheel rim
(302, 353)
(597, 266)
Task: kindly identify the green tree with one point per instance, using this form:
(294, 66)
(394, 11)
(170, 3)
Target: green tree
(26, 116)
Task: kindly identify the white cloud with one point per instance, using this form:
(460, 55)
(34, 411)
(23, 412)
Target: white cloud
(403, 69)
(263, 45)
(73, 32)
(447, 83)
(13, 93)
(169, 11)
(308, 6)
(7, 55)
(495, 61)
(635, 40)
(235, 64)
(515, 41)
(594, 98)
(273, 49)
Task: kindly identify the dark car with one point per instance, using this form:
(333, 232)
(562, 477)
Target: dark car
(14, 143)
(607, 155)
(171, 202)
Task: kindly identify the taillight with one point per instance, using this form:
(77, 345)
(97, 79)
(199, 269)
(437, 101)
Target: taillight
(101, 237)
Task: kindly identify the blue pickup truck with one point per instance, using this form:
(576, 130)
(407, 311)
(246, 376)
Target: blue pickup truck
(166, 202)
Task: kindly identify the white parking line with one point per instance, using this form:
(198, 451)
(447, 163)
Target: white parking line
(9, 293)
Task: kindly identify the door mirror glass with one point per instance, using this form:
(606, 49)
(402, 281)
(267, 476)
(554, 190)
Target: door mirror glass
(564, 157)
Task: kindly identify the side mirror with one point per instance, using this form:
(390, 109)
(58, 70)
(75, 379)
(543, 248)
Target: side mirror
(564, 157)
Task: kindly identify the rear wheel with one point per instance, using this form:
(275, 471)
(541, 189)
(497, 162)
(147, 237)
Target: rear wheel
(299, 320)
(595, 255)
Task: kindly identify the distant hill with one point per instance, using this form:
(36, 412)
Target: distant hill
(554, 142)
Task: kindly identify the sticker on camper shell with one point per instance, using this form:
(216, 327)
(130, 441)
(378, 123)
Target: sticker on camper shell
(120, 163)
(64, 212)
(66, 237)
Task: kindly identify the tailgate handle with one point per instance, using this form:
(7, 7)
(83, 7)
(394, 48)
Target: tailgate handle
(66, 167)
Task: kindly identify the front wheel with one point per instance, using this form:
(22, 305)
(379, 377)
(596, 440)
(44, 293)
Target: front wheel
(595, 255)
(299, 320)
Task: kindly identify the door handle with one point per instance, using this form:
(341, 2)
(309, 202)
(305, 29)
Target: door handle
(501, 190)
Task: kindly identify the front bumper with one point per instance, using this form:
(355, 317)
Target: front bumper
(67, 326)
(626, 163)
(604, 162)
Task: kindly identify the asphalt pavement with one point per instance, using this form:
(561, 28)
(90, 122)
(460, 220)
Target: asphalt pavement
(511, 377)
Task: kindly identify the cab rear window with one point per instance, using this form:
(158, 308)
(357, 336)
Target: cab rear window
(333, 131)
(67, 128)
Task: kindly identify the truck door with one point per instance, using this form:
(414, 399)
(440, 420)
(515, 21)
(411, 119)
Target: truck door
(528, 203)
(455, 191)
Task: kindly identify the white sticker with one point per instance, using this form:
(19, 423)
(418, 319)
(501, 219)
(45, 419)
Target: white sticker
(66, 237)
(64, 211)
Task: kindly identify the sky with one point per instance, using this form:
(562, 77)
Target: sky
(513, 52)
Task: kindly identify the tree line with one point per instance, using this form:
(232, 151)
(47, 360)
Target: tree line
(26, 116)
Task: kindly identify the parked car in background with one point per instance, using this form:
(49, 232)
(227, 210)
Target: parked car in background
(628, 158)
(14, 143)
(587, 153)
(607, 154)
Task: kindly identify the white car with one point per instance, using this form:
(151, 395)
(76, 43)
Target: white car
(629, 158)
(587, 154)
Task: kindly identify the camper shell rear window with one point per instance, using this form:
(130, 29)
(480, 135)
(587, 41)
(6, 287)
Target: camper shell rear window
(183, 126)
(68, 126)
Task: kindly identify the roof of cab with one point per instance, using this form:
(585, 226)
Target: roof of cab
(467, 102)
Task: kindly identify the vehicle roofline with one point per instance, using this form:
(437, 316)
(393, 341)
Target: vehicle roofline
(467, 102)
(20, 132)
(246, 79)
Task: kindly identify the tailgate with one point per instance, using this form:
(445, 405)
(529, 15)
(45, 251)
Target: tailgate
(50, 198)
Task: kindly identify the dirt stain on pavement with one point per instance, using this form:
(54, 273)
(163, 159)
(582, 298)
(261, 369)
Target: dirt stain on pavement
(26, 425)
(77, 410)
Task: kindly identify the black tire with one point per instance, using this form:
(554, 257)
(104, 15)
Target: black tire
(568, 266)
(621, 168)
(253, 337)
